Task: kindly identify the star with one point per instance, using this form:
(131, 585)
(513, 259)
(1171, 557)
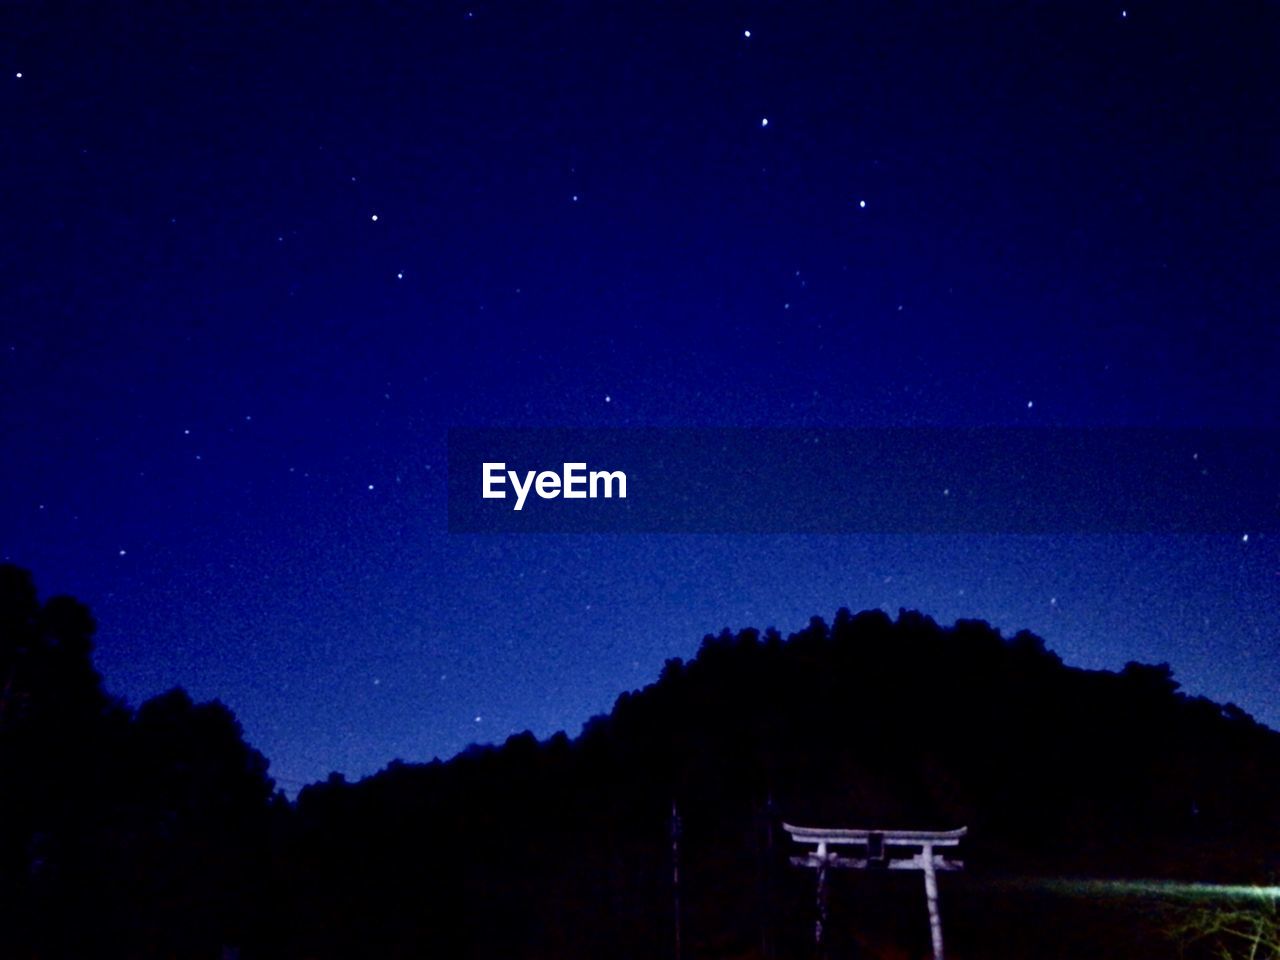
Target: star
(122, 553)
(19, 75)
(1030, 404)
(745, 33)
(608, 399)
(862, 204)
(371, 486)
(1245, 538)
(764, 121)
(399, 276)
(374, 218)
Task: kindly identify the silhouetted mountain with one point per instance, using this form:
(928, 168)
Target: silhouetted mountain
(157, 833)
(562, 848)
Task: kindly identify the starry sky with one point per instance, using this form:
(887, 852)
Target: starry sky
(257, 260)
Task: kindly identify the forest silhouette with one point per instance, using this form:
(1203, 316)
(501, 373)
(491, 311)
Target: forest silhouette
(157, 832)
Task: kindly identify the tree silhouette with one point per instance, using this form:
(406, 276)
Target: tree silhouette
(120, 834)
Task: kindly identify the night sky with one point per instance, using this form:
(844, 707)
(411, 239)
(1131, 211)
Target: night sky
(257, 260)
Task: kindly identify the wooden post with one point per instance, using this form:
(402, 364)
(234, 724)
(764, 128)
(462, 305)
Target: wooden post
(931, 897)
(675, 877)
(766, 884)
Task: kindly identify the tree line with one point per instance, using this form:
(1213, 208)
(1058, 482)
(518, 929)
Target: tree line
(157, 831)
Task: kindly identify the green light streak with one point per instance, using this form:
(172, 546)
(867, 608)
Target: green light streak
(1165, 889)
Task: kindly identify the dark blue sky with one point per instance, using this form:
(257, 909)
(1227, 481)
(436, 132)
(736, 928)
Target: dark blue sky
(225, 386)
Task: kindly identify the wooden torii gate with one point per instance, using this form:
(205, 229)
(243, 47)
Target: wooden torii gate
(877, 849)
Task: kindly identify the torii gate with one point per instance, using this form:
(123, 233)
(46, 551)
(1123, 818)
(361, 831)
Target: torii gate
(878, 845)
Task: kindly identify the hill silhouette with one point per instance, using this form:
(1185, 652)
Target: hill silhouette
(155, 832)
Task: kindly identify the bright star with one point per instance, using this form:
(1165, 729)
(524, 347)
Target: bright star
(374, 218)
(862, 204)
(745, 33)
(764, 121)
